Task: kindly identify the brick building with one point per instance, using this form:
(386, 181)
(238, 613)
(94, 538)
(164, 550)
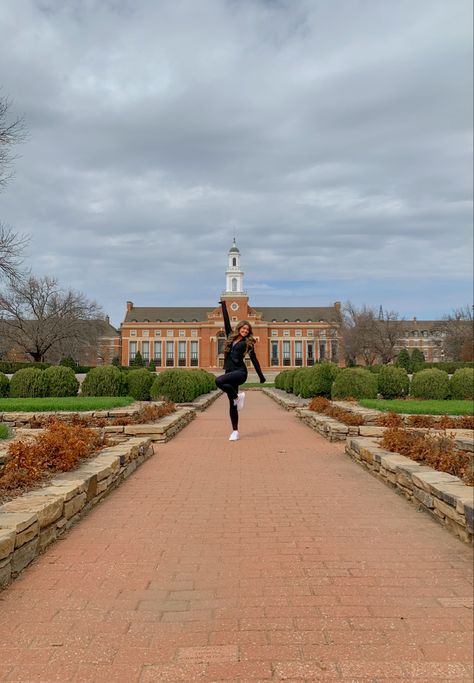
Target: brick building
(194, 336)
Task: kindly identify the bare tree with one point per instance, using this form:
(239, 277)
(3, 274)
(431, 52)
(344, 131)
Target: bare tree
(12, 132)
(369, 336)
(39, 318)
(457, 338)
(11, 248)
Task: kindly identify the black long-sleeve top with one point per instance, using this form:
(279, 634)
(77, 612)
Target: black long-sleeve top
(234, 358)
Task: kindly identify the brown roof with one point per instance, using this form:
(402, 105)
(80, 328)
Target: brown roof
(153, 314)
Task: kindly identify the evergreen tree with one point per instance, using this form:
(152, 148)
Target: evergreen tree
(417, 360)
(403, 360)
(138, 361)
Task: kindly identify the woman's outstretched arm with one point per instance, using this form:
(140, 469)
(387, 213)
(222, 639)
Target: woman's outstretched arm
(227, 326)
(257, 367)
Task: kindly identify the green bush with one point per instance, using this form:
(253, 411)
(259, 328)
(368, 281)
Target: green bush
(174, 385)
(9, 367)
(417, 360)
(450, 366)
(139, 384)
(404, 360)
(430, 384)
(393, 382)
(318, 380)
(205, 381)
(299, 379)
(69, 362)
(462, 384)
(4, 385)
(279, 379)
(105, 380)
(138, 361)
(355, 383)
(28, 383)
(288, 380)
(61, 381)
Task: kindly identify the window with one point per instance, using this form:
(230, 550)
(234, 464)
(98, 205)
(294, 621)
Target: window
(146, 350)
(310, 333)
(157, 352)
(234, 319)
(322, 334)
(322, 350)
(298, 353)
(334, 350)
(310, 353)
(194, 333)
(297, 333)
(133, 333)
(169, 333)
(274, 333)
(286, 333)
(274, 353)
(132, 350)
(234, 261)
(169, 354)
(145, 333)
(194, 353)
(234, 284)
(157, 333)
(181, 353)
(286, 353)
(221, 339)
(182, 333)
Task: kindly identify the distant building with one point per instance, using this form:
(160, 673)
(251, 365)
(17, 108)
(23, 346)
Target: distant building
(190, 337)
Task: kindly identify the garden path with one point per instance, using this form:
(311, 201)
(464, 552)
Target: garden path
(274, 558)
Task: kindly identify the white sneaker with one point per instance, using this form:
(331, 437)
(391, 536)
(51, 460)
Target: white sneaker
(234, 436)
(240, 400)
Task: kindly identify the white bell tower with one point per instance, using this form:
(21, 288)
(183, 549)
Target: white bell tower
(234, 277)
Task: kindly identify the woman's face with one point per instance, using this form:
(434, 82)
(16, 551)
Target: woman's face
(244, 331)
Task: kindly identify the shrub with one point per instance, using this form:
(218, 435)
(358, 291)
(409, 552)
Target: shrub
(403, 360)
(318, 380)
(355, 383)
(139, 384)
(175, 385)
(279, 379)
(9, 367)
(462, 384)
(105, 380)
(59, 448)
(138, 361)
(151, 364)
(69, 362)
(298, 380)
(417, 360)
(319, 404)
(390, 420)
(393, 382)
(204, 381)
(450, 366)
(288, 380)
(4, 385)
(61, 381)
(430, 384)
(28, 383)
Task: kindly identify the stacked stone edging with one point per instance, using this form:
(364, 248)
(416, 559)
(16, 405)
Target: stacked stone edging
(287, 401)
(203, 402)
(443, 495)
(29, 523)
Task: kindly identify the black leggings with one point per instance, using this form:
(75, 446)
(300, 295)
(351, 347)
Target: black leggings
(229, 383)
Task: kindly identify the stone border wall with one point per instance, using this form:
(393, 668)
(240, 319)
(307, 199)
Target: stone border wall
(30, 522)
(443, 495)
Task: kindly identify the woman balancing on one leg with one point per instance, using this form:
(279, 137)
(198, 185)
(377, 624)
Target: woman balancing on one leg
(239, 342)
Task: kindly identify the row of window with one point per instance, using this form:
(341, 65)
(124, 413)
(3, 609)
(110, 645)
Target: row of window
(274, 333)
(185, 357)
(169, 333)
(295, 353)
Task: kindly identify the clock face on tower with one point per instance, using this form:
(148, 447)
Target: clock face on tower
(234, 306)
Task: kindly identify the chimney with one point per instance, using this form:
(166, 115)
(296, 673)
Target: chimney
(129, 305)
(337, 306)
(414, 318)
(107, 319)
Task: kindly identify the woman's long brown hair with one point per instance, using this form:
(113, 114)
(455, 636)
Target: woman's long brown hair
(250, 339)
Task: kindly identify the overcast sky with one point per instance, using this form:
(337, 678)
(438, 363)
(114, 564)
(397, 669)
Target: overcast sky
(334, 139)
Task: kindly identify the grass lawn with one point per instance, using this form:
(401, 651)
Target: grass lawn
(4, 432)
(257, 385)
(453, 407)
(72, 403)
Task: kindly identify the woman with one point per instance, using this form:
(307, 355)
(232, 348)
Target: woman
(238, 343)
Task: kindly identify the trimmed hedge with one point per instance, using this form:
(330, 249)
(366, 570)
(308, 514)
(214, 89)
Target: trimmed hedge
(181, 386)
(315, 381)
(4, 385)
(28, 383)
(393, 382)
(430, 384)
(462, 384)
(105, 380)
(355, 383)
(61, 381)
(10, 367)
(139, 384)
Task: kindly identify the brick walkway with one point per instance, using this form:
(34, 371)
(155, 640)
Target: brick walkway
(272, 558)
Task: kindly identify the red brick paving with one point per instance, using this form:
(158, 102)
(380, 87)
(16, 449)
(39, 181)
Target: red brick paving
(274, 558)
